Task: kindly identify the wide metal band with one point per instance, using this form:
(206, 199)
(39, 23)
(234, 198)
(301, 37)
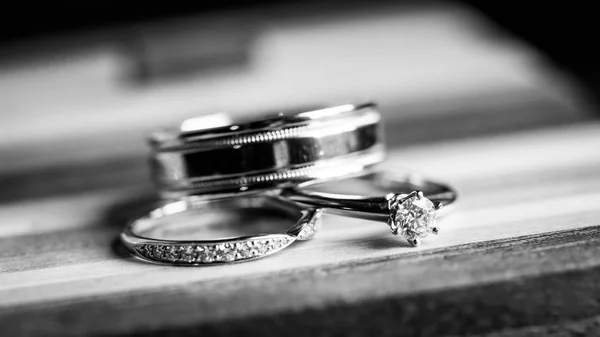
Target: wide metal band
(226, 250)
(271, 153)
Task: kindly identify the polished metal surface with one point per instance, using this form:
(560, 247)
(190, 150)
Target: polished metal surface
(271, 153)
(226, 250)
(411, 205)
(373, 207)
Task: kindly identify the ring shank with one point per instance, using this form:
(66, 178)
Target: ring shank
(169, 208)
(372, 207)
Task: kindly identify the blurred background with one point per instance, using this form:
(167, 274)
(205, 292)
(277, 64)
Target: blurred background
(498, 98)
(81, 83)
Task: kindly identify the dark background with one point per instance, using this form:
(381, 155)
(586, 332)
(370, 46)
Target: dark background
(564, 31)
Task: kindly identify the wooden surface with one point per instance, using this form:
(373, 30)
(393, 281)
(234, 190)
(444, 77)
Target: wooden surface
(519, 253)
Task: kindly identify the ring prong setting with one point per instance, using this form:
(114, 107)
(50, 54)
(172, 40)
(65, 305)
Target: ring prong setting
(413, 216)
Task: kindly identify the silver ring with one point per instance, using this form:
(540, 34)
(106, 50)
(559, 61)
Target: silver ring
(226, 250)
(313, 145)
(411, 210)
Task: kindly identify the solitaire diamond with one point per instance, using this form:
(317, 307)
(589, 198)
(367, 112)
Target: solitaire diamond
(413, 216)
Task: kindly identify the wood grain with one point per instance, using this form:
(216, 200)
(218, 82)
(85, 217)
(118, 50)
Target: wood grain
(499, 278)
(520, 252)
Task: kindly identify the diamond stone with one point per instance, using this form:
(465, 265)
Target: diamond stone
(414, 218)
(198, 253)
(256, 247)
(188, 254)
(158, 252)
(220, 252)
(243, 250)
(207, 254)
(229, 252)
(310, 229)
(171, 253)
(277, 243)
(263, 246)
(143, 250)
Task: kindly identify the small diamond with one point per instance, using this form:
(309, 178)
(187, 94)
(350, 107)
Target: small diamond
(196, 253)
(207, 254)
(257, 247)
(220, 252)
(143, 250)
(158, 252)
(310, 229)
(228, 252)
(277, 243)
(266, 247)
(243, 250)
(414, 217)
(180, 253)
(188, 254)
(171, 253)
(269, 244)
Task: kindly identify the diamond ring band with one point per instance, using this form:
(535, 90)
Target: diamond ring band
(411, 213)
(287, 164)
(223, 250)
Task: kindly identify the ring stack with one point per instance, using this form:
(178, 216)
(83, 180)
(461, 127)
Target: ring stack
(277, 165)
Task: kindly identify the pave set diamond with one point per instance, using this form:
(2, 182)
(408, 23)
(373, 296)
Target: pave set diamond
(310, 229)
(210, 253)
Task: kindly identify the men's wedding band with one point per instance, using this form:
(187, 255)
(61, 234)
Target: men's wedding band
(233, 158)
(227, 250)
(410, 209)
